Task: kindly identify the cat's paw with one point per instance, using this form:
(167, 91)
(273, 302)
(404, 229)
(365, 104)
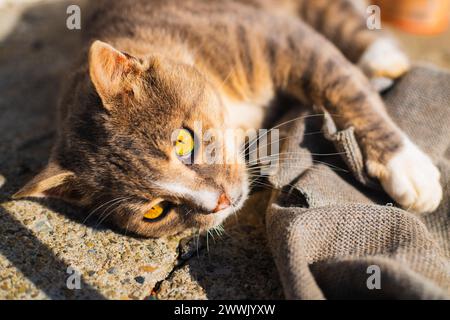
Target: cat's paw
(410, 178)
(383, 59)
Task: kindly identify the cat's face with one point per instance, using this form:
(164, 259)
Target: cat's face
(129, 148)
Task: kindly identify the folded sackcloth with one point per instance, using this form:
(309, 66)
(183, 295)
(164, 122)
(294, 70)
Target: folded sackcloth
(334, 234)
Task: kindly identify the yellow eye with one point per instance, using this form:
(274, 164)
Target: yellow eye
(156, 211)
(184, 143)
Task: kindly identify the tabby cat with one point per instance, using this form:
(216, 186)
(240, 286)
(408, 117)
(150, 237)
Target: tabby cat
(152, 68)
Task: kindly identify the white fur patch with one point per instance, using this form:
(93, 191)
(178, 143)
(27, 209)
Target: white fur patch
(243, 114)
(248, 114)
(383, 58)
(209, 199)
(381, 84)
(411, 179)
(204, 198)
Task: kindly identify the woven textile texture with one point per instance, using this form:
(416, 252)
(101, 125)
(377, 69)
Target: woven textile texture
(331, 228)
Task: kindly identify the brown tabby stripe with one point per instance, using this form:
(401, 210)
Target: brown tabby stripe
(341, 23)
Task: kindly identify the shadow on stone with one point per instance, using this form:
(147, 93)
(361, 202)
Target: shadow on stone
(37, 262)
(34, 57)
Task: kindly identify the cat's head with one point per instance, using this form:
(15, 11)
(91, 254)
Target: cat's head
(127, 146)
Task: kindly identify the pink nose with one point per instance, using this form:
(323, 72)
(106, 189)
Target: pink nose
(222, 203)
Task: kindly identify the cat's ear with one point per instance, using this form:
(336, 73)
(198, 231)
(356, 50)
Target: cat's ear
(51, 182)
(108, 68)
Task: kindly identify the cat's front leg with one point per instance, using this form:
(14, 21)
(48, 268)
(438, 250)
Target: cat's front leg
(406, 173)
(324, 76)
(410, 178)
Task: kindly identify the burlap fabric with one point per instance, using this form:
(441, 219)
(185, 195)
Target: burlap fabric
(328, 228)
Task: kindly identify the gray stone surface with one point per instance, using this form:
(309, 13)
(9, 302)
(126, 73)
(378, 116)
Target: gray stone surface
(235, 265)
(40, 240)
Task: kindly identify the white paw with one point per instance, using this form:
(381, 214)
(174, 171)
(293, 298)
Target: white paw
(384, 59)
(411, 179)
(381, 84)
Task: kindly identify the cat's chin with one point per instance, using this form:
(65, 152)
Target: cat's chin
(210, 221)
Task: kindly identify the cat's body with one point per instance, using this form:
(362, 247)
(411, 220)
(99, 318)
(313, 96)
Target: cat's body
(221, 63)
(235, 43)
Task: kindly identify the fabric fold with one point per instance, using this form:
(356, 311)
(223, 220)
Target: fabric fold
(329, 225)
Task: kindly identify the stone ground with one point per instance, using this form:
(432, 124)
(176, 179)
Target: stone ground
(40, 241)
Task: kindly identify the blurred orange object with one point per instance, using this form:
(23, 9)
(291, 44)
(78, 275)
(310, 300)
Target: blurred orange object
(416, 16)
